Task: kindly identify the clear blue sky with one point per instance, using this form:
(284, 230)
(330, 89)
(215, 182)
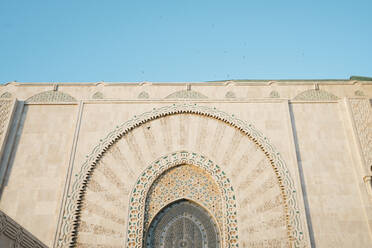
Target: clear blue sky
(117, 40)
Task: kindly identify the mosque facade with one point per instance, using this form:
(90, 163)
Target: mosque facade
(241, 163)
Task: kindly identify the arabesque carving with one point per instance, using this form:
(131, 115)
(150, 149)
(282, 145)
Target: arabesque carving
(6, 95)
(362, 115)
(274, 94)
(294, 222)
(51, 96)
(359, 93)
(143, 95)
(5, 111)
(230, 94)
(98, 95)
(186, 94)
(316, 95)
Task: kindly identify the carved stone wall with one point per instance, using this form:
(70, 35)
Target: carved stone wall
(73, 167)
(13, 235)
(266, 190)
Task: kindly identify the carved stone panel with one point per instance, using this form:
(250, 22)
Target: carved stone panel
(185, 94)
(316, 95)
(362, 115)
(51, 96)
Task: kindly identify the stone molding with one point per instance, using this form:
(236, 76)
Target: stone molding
(315, 95)
(51, 96)
(20, 238)
(368, 182)
(294, 219)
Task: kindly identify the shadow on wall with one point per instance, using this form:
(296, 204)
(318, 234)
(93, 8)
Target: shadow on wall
(302, 178)
(13, 139)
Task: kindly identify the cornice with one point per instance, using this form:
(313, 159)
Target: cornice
(211, 83)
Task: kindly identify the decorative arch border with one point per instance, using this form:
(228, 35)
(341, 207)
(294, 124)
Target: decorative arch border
(67, 232)
(137, 207)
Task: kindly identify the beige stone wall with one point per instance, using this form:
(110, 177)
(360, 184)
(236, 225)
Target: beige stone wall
(37, 172)
(336, 212)
(317, 133)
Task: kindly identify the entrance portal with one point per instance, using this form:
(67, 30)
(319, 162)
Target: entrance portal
(182, 224)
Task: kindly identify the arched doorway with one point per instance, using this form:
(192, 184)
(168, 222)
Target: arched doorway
(182, 224)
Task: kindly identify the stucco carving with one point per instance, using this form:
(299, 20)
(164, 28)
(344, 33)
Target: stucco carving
(359, 93)
(6, 95)
(51, 96)
(288, 192)
(143, 95)
(98, 95)
(230, 94)
(274, 94)
(5, 109)
(12, 234)
(362, 115)
(186, 94)
(316, 95)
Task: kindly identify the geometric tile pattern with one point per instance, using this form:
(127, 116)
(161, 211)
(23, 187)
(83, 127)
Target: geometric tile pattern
(137, 208)
(184, 182)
